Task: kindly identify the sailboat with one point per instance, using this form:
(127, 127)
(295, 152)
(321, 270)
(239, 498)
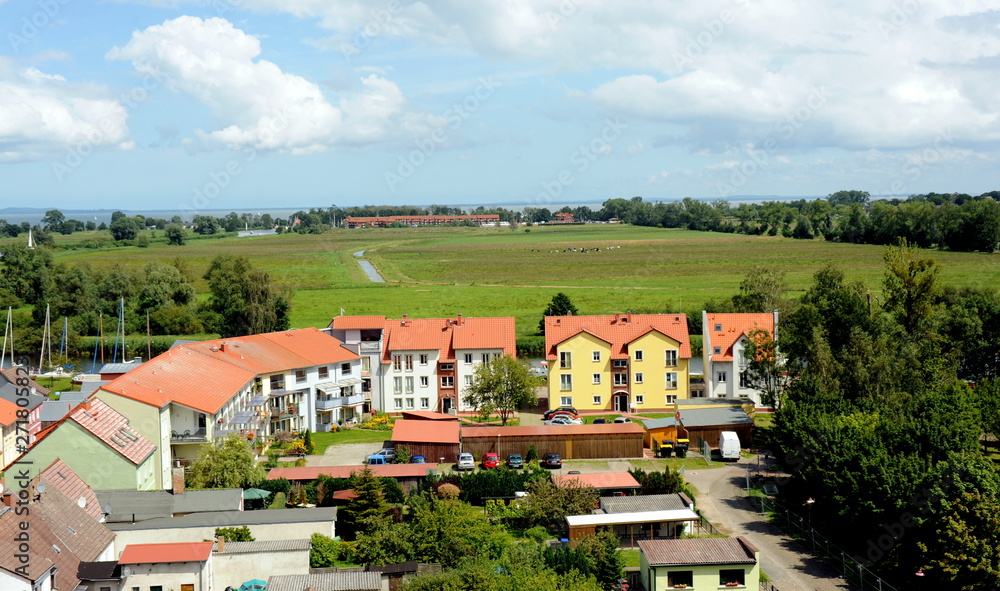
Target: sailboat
(93, 376)
(53, 372)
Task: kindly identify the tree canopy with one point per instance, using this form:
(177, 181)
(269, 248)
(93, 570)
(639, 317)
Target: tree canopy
(559, 306)
(228, 463)
(500, 386)
(243, 299)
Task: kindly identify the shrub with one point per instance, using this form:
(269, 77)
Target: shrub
(537, 533)
(278, 502)
(235, 534)
(402, 454)
(448, 491)
(532, 454)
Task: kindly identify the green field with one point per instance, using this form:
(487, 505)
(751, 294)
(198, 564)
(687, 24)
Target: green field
(434, 272)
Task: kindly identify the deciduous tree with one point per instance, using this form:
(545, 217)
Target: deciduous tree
(243, 299)
(500, 386)
(559, 306)
(229, 463)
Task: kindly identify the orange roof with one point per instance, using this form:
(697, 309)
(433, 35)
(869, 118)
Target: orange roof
(313, 472)
(470, 431)
(8, 412)
(173, 552)
(734, 326)
(618, 329)
(441, 334)
(411, 431)
(110, 427)
(428, 415)
(206, 374)
(601, 480)
(357, 322)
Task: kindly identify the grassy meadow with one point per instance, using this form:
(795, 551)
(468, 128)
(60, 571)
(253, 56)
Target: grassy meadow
(433, 272)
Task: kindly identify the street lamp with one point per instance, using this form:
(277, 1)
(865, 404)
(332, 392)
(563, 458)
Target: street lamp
(812, 534)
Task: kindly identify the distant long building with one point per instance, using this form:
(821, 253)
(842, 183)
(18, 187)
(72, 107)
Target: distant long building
(418, 220)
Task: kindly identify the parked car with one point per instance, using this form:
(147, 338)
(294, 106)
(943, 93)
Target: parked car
(491, 460)
(564, 420)
(418, 460)
(515, 461)
(623, 420)
(729, 445)
(387, 452)
(600, 421)
(465, 462)
(376, 460)
(551, 460)
(562, 409)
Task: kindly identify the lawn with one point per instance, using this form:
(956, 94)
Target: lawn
(353, 435)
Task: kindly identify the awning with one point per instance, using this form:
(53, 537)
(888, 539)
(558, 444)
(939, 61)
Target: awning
(328, 388)
(258, 401)
(348, 382)
(242, 417)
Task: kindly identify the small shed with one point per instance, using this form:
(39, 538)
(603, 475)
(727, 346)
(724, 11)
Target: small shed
(606, 483)
(615, 440)
(658, 430)
(704, 419)
(631, 527)
(435, 440)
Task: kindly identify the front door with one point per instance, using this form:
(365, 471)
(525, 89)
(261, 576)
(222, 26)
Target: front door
(621, 402)
(446, 405)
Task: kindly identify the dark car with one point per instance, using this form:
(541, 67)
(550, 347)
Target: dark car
(551, 461)
(491, 460)
(600, 421)
(515, 461)
(562, 409)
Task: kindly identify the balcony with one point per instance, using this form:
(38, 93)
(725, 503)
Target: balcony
(371, 346)
(332, 402)
(189, 436)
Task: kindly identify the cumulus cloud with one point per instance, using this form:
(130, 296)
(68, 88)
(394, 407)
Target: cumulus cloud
(43, 114)
(257, 104)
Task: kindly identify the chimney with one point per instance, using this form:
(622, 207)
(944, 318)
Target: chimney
(221, 544)
(223, 347)
(628, 318)
(460, 319)
(8, 498)
(177, 480)
(618, 317)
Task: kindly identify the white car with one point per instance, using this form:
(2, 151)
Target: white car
(465, 462)
(564, 420)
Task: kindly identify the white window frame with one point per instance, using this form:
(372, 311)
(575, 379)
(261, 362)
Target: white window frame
(409, 384)
(637, 379)
(468, 380)
(397, 363)
(323, 372)
(597, 379)
(565, 381)
(619, 363)
(398, 402)
(639, 399)
(409, 404)
(486, 357)
(597, 356)
(621, 379)
(670, 358)
(447, 381)
(744, 380)
(468, 358)
(408, 362)
(597, 400)
(425, 403)
(721, 377)
(670, 380)
(423, 359)
(300, 376)
(397, 385)
(566, 400)
(424, 382)
(565, 360)
(638, 354)
(670, 398)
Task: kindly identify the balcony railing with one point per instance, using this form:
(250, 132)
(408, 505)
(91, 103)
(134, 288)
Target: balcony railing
(327, 403)
(371, 346)
(192, 435)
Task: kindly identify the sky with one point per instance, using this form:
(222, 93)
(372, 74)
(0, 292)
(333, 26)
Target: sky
(219, 104)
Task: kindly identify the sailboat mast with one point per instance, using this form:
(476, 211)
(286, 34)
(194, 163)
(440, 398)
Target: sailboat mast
(45, 336)
(8, 329)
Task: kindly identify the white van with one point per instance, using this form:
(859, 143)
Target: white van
(729, 445)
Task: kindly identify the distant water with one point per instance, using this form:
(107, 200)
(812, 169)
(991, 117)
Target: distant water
(105, 216)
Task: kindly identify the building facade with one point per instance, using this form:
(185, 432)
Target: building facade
(724, 345)
(620, 363)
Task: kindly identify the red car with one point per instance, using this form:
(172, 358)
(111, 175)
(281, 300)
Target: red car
(491, 460)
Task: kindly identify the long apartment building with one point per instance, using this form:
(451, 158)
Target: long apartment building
(254, 385)
(422, 364)
(724, 344)
(617, 363)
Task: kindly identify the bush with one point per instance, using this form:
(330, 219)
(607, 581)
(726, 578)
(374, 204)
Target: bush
(307, 443)
(235, 534)
(532, 454)
(379, 421)
(448, 491)
(537, 533)
(278, 502)
(402, 454)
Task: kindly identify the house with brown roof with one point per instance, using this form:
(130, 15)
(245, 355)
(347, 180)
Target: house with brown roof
(617, 363)
(66, 481)
(699, 564)
(724, 344)
(99, 444)
(435, 440)
(254, 386)
(422, 364)
(59, 536)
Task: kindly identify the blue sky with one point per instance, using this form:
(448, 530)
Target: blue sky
(241, 104)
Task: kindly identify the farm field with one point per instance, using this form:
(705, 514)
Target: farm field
(503, 272)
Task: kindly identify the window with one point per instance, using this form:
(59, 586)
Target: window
(397, 385)
(156, 588)
(409, 404)
(278, 382)
(447, 366)
(105, 588)
(497, 356)
(566, 381)
(397, 362)
(671, 399)
(187, 587)
(345, 368)
(300, 376)
(720, 377)
(638, 355)
(744, 380)
(597, 400)
(424, 382)
(620, 363)
(486, 357)
(638, 377)
(718, 328)
(728, 576)
(425, 403)
(597, 378)
(447, 381)
(671, 358)
(717, 350)
(639, 398)
(565, 360)
(597, 355)
(409, 385)
(621, 379)
(408, 360)
(399, 403)
(468, 380)
(566, 400)
(324, 372)
(680, 578)
(423, 359)
(670, 380)
(468, 358)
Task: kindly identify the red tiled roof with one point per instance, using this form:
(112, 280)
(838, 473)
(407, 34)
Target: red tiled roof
(64, 479)
(205, 375)
(313, 472)
(734, 326)
(12, 374)
(411, 431)
(698, 551)
(112, 428)
(344, 495)
(469, 432)
(357, 322)
(8, 412)
(448, 334)
(600, 480)
(428, 415)
(618, 329)
(159, 553)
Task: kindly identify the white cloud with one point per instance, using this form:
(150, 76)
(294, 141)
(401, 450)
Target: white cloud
(258, 104)
(42, 114)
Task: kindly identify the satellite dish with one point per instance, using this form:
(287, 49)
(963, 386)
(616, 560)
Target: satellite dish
(82, 503)
(41, 487)
(127, 571)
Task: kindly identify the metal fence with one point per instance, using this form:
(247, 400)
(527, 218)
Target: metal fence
(854, 572)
